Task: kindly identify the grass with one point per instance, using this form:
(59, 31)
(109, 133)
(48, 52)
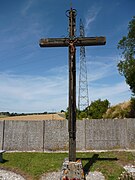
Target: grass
(33, 165)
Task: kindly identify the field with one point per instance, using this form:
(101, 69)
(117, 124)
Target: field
(33, 165)
(59, 116)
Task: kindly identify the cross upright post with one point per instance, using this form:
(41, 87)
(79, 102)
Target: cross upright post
(72, 86)
(71, 43)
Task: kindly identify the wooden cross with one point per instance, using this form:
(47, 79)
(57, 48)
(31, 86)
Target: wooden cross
(71, 43)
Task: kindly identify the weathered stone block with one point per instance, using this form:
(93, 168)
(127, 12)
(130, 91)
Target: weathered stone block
(72, 170)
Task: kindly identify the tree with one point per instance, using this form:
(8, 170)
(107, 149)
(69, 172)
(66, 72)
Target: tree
(132, 108)
(97, 109)
(62, 111)
(126, 66)
(79, 114)
(67, 113)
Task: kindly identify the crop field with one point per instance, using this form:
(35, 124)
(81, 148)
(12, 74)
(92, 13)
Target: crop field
(58, 116)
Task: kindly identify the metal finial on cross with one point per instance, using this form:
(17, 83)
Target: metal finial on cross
(70, 3)
(71, 43)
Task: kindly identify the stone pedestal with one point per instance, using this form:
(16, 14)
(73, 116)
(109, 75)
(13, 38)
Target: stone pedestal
(72, 170)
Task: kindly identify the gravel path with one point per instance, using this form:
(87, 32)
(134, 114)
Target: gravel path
(8, 175)
(91, 176)
(130, 168)
(95, 176)
(50, 176)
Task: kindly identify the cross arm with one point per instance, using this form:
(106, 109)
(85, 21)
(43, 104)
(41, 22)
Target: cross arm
(80, 41)
(90, 41)
(54, 42)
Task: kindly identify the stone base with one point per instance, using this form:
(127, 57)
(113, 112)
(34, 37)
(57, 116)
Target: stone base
(72, 170)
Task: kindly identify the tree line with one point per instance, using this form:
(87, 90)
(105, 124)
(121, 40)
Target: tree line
(20, 114)
(101, 109)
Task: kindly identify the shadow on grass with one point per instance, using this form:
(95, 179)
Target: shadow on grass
(4, 161)
(93, 160)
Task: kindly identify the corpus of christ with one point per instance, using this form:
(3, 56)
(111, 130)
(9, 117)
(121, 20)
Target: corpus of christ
(71, 166)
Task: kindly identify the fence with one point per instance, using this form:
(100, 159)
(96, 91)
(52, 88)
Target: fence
(46, 135)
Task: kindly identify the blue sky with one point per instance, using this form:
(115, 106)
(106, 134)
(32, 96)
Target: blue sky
(34, 79)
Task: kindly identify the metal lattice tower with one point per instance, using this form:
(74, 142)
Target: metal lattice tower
(83, 97)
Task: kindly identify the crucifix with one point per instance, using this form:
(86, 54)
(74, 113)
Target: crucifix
(72, 42)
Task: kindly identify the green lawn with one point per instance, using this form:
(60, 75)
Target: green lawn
(33, 165)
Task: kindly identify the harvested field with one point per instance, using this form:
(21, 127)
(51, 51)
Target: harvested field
(58, 116)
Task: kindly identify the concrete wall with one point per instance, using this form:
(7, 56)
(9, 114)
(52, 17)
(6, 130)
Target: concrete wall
(106, 134)
(56, 135)
(80, 135)
(131, 133)
(1, 134)
(53, 135)
(23, 135)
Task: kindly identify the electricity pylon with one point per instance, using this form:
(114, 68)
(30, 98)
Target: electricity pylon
(83, 97)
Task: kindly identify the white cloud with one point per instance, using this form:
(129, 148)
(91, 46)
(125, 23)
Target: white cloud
(38, 94)
(115, 93)
(33, 21)
(99, 67)
(91, 16)
(29, 94)
(98, 71)
(27, 6)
